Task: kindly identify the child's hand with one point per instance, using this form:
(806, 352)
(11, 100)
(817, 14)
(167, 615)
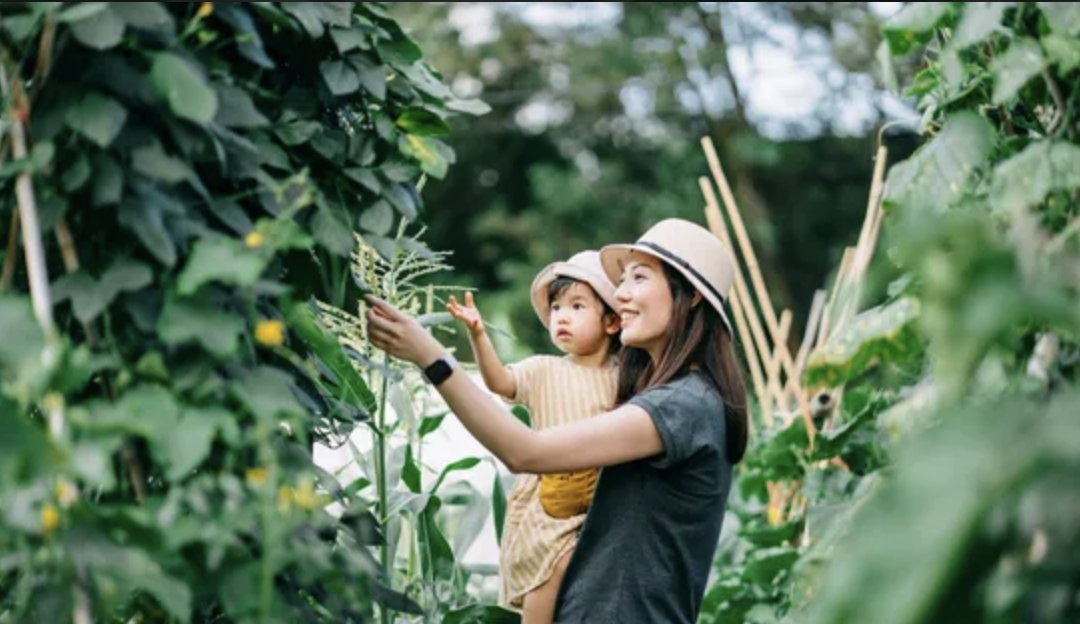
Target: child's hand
(467, 313)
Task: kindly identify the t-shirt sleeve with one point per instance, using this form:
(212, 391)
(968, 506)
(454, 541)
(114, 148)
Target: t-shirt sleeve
(526, 373)
(688, 415)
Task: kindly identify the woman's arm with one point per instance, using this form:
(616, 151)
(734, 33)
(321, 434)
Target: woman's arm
(624, 434)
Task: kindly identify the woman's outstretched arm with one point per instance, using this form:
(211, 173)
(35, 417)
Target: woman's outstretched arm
(622, 435)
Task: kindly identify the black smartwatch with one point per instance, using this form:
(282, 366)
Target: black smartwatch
(439, 370)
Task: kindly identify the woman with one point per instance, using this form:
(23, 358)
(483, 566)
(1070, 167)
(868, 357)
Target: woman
(666, 450)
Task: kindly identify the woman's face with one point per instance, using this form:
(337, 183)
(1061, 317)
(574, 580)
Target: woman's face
(645, 304)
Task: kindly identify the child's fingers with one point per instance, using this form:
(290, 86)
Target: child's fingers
(468, 298)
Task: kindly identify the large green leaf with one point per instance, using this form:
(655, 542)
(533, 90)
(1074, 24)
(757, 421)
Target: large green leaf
(1023, 61)
(372, 75)
(980, 20)
(101, 29)
(97, 117)
(25, 450)
(422, 122)
(151, 16)
(424, 150)
(236, 108)
(90, 297)
(351, 388)
(23, 337)
(937, 175)
(913, 25)
(339, 77)
(190, 443)
(1063, 17)
(184, 87)
(988, 453)
(152, 161)
(883, 334)
(1042, 168)
(1062, 51)
(267, 392)
(184, 321)
(223, 260)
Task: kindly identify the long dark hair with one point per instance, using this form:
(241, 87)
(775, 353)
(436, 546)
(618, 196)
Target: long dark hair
(696, 336)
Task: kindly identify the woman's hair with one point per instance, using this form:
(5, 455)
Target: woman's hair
(696, 336)
(561, 283)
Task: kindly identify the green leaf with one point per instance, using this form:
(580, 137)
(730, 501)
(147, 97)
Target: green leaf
(980, 20)
(400, 198)
(271, 153)
(1063, 51)
(936, 176)
(332, 231)
(763, 565)
(236, 109)
(266, 391)
(430, 425)
(424, 150)
(372, 75)
(365, 177)
(498, 505)
(1021, 62)
(474, 106)
(146, 15)
(81, 11)
(351, 389)
(186, 321)
(108, 181)
(184, 87)
(190, 441)
(297, 132)
(422, 122)
(308, 14)
(348, 39)
(882, 334)
(25, 449)
(147, 222)
(410, 473)
(101, 30)
(1042, 168)
(90, 297)
(1063, 17)
(220, 259)
(521, 413)
(378, 219)
(22, 27)
(339, 77)
(401, 51)
(76, 175)
(467, 463)
(152, 161)
(912, 26)
(97, 117)
(23, 337)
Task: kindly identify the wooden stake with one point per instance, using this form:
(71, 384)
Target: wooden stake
(772, 370)
(740, 309)
(716, 222)
(755, 276)
(812, 324)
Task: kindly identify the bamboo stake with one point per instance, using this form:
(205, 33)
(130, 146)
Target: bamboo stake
(867, 241)
(772, 370)
(720, 230)
(812, 324)
(31, 229)
(759, 285)
(826, 323)
(8, 275)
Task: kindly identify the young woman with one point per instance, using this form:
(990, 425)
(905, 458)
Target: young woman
(666, 451)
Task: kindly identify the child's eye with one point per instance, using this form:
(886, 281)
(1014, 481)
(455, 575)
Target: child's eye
(578, 306)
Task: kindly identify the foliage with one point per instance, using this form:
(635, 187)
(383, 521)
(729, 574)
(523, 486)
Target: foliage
(944, 493)
(196, 170)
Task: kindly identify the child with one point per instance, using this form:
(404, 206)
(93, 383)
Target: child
(575, 301)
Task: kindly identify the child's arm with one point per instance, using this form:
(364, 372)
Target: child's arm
(496, 376)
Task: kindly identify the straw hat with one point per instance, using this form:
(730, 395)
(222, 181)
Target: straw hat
(688, 248)
(584, 266)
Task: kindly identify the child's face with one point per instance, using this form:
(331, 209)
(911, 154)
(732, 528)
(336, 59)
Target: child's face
(577, 324)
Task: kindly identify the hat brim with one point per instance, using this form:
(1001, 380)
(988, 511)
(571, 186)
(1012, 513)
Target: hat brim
(555, 270)
(614, 257)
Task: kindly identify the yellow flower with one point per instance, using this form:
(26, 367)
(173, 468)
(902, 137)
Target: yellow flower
(305, 496)
(775, 517)
(270, 333)
(205, 9)
(253, 240)
(50, 518)
(285, 498)
(256, 476)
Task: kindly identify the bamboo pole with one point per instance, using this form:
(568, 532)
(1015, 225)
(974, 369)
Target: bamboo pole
(809, 334)
(772, 370)
(716, 223)
(755, 276)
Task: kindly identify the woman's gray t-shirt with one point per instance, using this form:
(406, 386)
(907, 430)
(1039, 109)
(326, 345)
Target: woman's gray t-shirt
(647, 545)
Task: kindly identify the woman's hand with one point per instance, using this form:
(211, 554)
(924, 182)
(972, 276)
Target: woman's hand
(399, 334)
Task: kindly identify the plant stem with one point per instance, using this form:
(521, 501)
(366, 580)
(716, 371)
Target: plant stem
(380, 468)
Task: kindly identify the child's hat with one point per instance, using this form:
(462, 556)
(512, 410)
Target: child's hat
(688, 248)
(584, 266)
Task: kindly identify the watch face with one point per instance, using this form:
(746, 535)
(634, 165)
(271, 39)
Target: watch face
(438, 371)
